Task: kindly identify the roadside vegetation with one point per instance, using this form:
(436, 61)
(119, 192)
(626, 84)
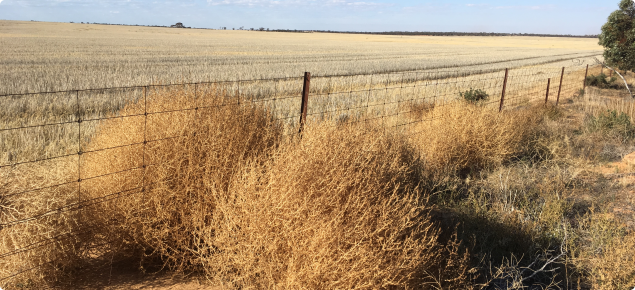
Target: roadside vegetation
(603, 81)
(535, 198)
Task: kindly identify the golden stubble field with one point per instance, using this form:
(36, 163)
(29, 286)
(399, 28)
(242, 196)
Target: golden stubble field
(41, 57)
(38, 56)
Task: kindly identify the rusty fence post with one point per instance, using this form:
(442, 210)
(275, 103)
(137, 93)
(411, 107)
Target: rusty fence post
(585, 75)
(547, 95)
(504, 88)
(305, 100)
(560, 87)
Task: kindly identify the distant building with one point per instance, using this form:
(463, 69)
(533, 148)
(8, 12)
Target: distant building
(178, 25)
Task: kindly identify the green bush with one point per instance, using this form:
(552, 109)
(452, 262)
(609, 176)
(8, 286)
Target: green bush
(474, 96)
(612, 122)
(602, 81)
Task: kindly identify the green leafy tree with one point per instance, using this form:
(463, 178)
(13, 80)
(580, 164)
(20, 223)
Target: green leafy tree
(618, 37)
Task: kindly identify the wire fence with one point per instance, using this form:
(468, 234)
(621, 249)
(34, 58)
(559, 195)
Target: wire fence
(52, 131)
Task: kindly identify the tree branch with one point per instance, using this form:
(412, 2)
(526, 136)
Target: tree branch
(606, 66)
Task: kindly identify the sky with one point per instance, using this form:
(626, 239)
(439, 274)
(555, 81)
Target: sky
(577, 17)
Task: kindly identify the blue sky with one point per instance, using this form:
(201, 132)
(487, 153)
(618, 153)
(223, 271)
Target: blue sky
(554, 17)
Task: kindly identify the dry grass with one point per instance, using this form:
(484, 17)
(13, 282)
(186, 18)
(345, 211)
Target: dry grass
(514, 183)
(462, 137)
(608, 253)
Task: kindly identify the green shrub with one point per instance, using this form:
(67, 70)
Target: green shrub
(474, 96)
(602, 81)
(612, 122)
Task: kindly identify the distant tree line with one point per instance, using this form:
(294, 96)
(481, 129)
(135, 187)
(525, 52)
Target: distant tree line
(410, 33)
(429, 33)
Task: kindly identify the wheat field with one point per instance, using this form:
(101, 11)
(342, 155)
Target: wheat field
(354, 76)
(37, 57)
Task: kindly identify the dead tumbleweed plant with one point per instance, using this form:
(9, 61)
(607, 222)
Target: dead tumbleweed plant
(217, 190)
(338, 209)
(462, 137)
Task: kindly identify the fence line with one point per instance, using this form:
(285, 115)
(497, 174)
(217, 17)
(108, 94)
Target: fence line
(69, 120)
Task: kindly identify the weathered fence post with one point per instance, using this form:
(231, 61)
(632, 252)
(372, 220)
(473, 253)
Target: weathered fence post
(503, 94)
(602, 68)
(305, 100)
(585, 75)
(547, 95)
(560, 87)
(504, 89)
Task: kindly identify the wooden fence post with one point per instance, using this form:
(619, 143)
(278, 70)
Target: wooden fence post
(305, 100)
(560, 87)
(500, 109)
(547, 95)
(602, 68)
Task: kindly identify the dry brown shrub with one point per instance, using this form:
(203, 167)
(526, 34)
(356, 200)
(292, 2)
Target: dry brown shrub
(158, 211)
(129, 210)
(218, 190)
(337, 210)
(463, 137)
(45, 248)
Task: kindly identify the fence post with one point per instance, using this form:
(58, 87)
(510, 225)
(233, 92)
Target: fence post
(547, 95)
(238, 92)
(305, 100)
(79, 158)
(560, 87)
(602, 68)
(503, 94)
(585, 75)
